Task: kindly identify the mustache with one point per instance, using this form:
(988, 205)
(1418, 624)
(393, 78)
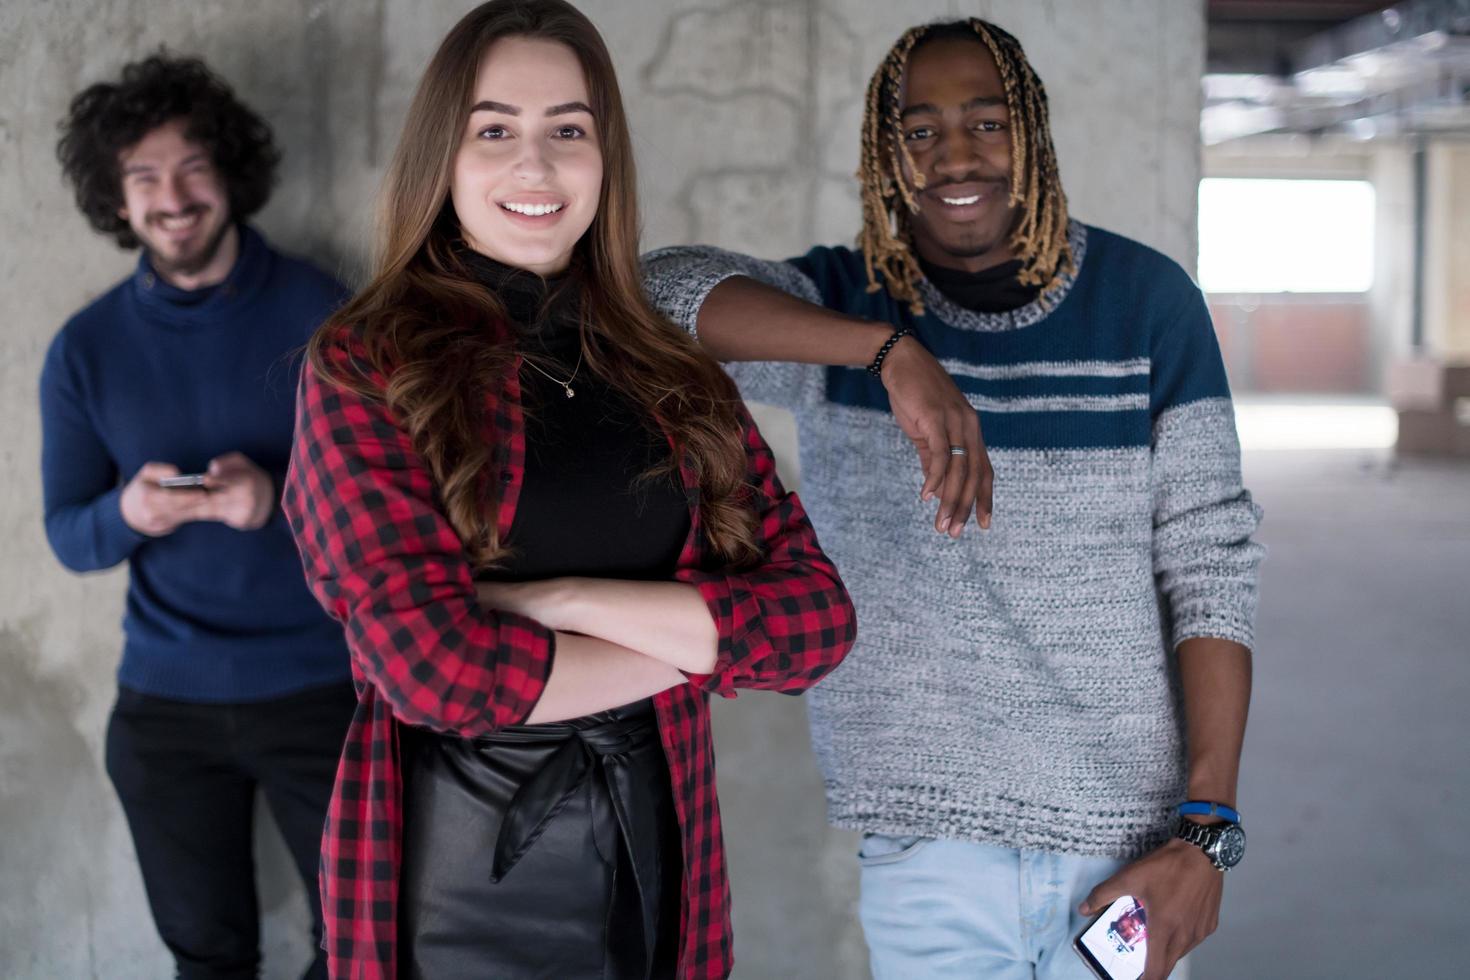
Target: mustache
(187, 211)
(1001, 182)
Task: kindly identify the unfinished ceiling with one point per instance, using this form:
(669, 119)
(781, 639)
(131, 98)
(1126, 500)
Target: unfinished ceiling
(1365, 69)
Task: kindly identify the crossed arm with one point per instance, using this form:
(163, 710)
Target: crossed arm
(781, 624)
(616, 641)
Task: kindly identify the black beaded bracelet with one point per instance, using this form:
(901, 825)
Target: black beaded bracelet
(876, 368)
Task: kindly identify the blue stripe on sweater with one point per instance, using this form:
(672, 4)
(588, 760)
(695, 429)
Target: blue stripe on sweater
(1067, 430)
(1050, 386)
(1044, 429)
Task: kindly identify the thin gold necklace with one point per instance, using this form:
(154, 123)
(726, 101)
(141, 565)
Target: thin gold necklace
(567, 384)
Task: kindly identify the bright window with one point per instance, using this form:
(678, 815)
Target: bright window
(1285, 236)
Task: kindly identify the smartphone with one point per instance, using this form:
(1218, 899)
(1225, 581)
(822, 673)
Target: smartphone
(1115, 944)
(183, 481)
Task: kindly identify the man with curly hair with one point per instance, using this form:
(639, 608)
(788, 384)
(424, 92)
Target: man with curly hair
(166, 409)
(1030, 714)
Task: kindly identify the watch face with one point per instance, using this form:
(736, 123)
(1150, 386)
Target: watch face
(1231, 845)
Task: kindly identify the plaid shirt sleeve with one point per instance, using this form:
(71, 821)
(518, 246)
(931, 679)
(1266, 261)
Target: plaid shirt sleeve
(382, 559)
(786, 622)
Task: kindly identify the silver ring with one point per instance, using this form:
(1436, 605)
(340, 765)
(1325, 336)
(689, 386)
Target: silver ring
(958, 451)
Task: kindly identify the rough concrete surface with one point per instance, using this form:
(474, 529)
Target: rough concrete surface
(745, 117)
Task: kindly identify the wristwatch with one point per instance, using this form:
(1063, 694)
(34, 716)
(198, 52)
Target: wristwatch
(1223, 843)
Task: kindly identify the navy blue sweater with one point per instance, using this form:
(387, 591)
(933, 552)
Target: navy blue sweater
(152, 373)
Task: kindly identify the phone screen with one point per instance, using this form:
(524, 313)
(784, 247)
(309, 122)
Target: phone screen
(1116, 942)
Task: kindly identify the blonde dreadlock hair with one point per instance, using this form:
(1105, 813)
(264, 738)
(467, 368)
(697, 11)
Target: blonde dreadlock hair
(1040, 236)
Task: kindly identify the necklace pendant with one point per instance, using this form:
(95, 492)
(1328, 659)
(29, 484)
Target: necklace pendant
(570, 392)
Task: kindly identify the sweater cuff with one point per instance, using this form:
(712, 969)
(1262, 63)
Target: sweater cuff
(679, 280)
(1218, 615)
(115, 538)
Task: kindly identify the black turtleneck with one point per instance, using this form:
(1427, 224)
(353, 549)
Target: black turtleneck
(583, 509)
(992, 290)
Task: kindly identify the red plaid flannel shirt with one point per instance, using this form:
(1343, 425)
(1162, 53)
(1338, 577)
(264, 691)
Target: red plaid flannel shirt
(383, 560)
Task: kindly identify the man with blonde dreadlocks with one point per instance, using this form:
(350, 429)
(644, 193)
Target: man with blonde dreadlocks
(1046, 717)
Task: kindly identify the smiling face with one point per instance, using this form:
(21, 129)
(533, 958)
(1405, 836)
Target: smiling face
(957, 129)
(527, 177)
(176, 202)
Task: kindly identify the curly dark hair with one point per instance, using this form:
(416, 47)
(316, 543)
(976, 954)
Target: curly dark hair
(107, 118)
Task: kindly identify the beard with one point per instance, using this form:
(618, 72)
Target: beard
(191, 258)
(973, 249)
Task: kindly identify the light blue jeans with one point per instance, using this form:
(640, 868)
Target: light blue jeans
(944, 909)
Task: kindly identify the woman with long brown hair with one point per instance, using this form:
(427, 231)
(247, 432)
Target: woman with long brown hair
(550, 529)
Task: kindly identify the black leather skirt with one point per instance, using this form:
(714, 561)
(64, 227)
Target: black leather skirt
(544, 851)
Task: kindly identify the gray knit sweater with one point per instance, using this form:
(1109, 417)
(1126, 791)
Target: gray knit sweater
(1018, 686)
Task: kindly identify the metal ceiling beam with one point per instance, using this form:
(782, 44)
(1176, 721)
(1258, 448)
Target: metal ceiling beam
(1400, 71)
(1395, 25)
(1254, 47)
(1318, 11)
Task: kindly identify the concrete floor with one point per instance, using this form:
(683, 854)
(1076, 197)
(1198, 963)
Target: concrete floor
(1356, 775)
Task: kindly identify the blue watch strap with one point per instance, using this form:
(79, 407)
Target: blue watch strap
(1204, 808)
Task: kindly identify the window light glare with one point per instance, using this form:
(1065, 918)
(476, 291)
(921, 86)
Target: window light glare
(1285, 236)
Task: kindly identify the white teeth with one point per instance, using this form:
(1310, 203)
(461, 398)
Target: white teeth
(960, 201)
(178, 224)
(533, 210)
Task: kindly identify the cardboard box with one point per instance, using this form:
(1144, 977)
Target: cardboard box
(1427, 385)
(1441, 433)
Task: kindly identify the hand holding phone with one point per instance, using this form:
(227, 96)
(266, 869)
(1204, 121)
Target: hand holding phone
(1115, 944)
(150, 508)
(242, 495)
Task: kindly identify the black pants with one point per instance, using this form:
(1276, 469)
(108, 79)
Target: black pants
(186, 775)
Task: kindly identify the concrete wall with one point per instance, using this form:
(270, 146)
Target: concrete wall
(746, 117)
